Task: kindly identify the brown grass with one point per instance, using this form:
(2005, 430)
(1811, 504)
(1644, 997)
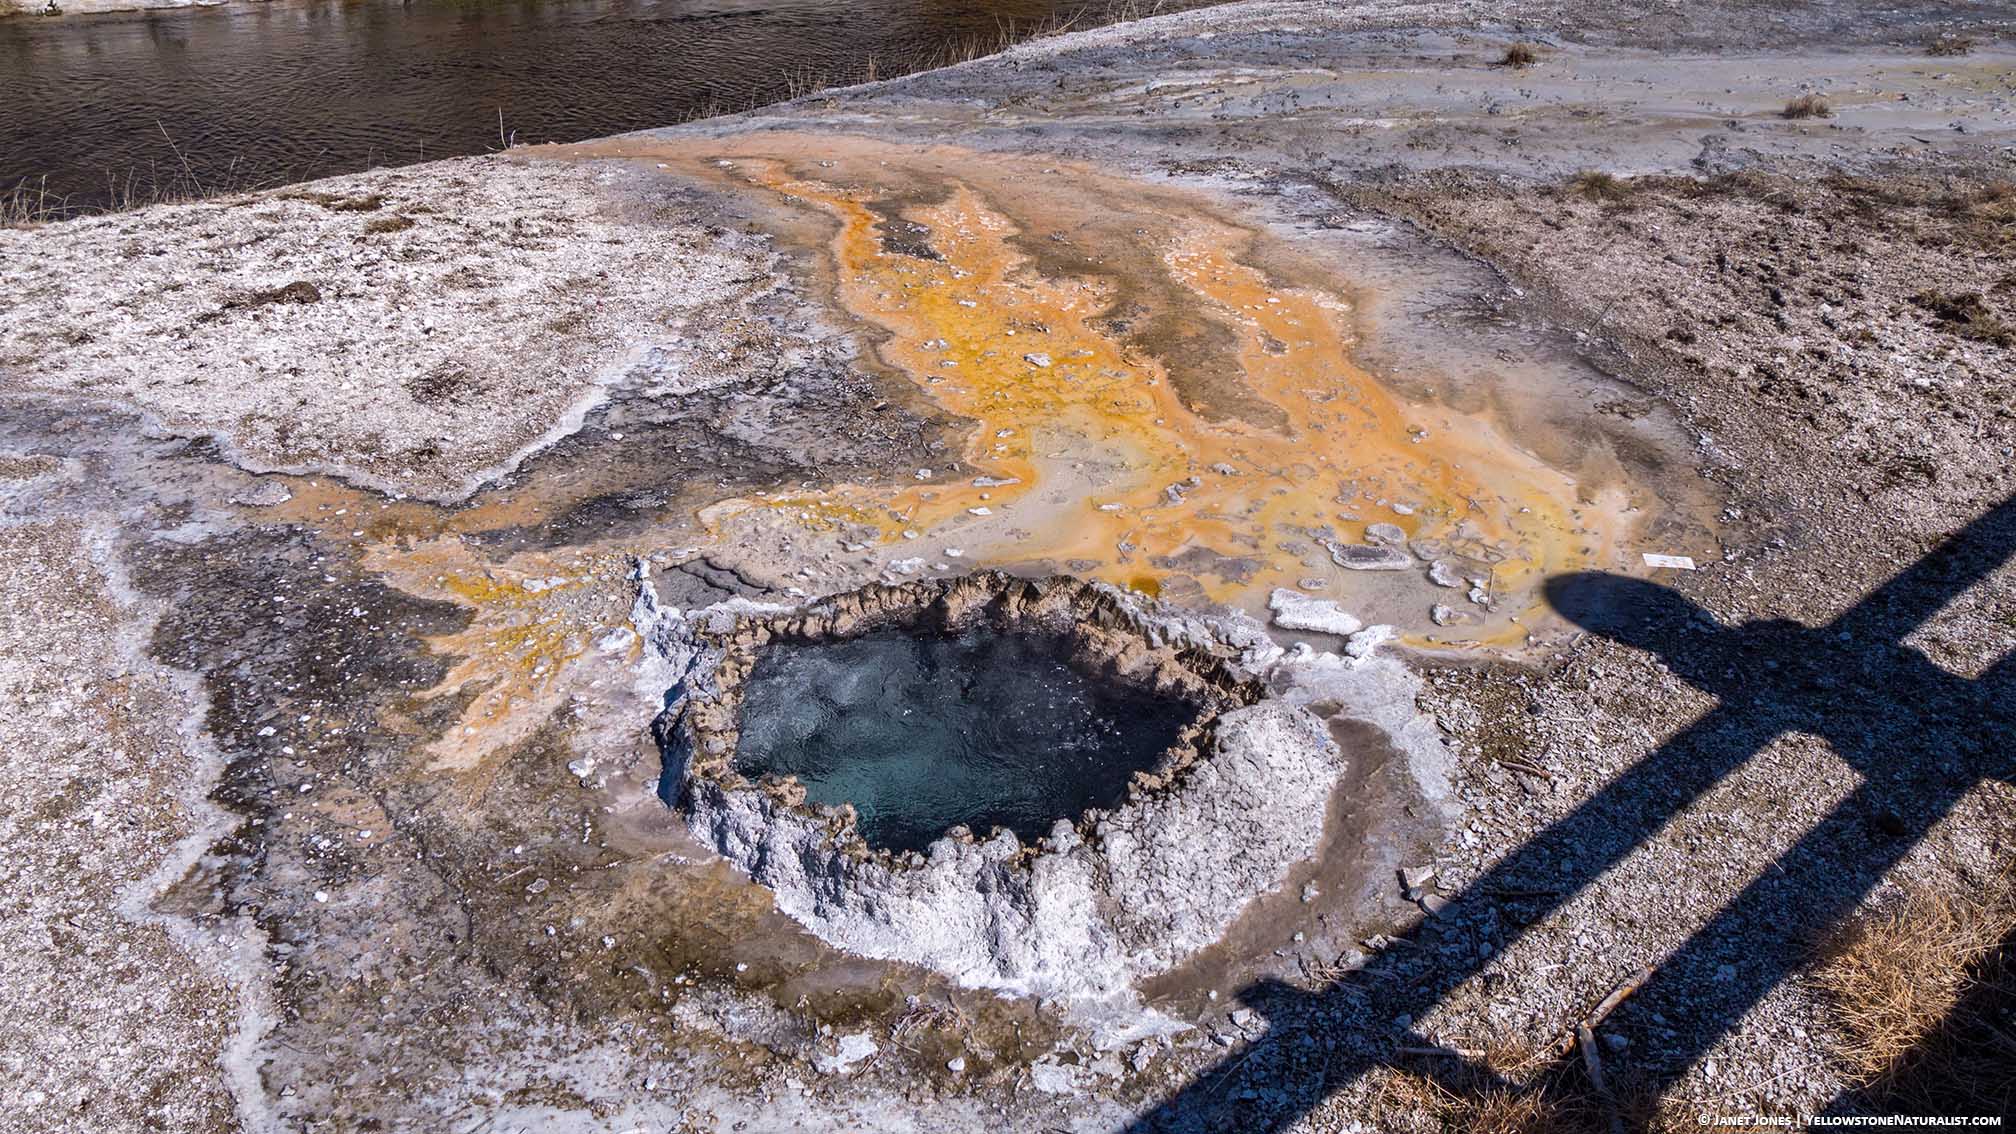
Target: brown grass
(1492, 1111)
(976, 45)
(1922, 991)
(1549, 1094)
(1946, 45)
(1521, 55)
(1599, 186)
(1807, 106)
(30, 202)
(1967, 315)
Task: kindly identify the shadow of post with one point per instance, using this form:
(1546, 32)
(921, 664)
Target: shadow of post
(1918, 736)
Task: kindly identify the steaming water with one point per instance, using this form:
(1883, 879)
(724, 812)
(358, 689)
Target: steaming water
(923, 733)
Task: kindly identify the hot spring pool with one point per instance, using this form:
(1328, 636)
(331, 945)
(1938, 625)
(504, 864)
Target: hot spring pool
(924, 732)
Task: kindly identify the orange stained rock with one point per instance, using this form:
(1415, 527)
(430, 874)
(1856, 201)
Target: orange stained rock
(1081, 449)
(531, 620)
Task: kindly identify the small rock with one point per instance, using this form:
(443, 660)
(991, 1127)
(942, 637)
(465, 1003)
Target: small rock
(956, 1065)
(1294, 610)
(1361, 644)
(1369, 557)
(1242, 1018)
(1053, 1078)
(1443, 615)
(852, 1050)
(1036, 359)
(1417, 877)
(1385, 533)
(1445, 573)
(1309, 891)
(265, 495)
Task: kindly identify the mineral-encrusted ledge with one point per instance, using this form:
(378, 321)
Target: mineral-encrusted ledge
(1095, 906)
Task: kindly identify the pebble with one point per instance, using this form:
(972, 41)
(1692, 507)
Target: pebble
(1369, 557)
(1385, 533)
(1445, 573)
(266, 495)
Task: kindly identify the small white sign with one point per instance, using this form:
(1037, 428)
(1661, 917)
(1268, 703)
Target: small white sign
(1682, 562)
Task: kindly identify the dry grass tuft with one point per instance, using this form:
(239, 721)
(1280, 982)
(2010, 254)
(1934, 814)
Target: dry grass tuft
(1967, 315)
(1599, 186)
(1493, 1111)
(1550, 1095)
(1502, 1112)
(1521, 55)
(1807, 106)
(1922, 992)
(1949, 44)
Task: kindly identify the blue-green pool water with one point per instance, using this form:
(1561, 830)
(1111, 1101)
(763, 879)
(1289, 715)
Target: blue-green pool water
(924, 732)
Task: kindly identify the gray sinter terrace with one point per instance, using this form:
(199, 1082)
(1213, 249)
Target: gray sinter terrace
(924, 731)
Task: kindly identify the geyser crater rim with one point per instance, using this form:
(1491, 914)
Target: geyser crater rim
(700, 733)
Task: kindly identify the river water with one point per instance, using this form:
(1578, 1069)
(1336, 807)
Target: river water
(137, 104)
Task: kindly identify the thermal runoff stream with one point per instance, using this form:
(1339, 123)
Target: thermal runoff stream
(1134, 382)
(1153, 397)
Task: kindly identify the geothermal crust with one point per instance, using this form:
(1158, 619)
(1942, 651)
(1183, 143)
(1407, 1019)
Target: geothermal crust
(1095, 906)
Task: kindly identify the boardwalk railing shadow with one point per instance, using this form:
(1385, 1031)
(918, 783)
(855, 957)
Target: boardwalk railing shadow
(1918, 737)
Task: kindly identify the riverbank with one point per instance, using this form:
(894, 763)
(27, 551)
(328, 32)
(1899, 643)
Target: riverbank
(332, 512)
(97, 7)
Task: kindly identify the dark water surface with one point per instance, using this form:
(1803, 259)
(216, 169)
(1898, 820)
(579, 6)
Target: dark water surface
(924, 733)
(252, 94)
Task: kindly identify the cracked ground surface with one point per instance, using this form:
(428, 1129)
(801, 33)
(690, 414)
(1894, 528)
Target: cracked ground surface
(332, 801)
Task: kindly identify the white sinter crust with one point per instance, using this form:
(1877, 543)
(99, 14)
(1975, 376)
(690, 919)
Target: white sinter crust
(1094, 907)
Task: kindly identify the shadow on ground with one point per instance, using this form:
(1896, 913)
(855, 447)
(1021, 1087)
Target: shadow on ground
(1919, 737)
